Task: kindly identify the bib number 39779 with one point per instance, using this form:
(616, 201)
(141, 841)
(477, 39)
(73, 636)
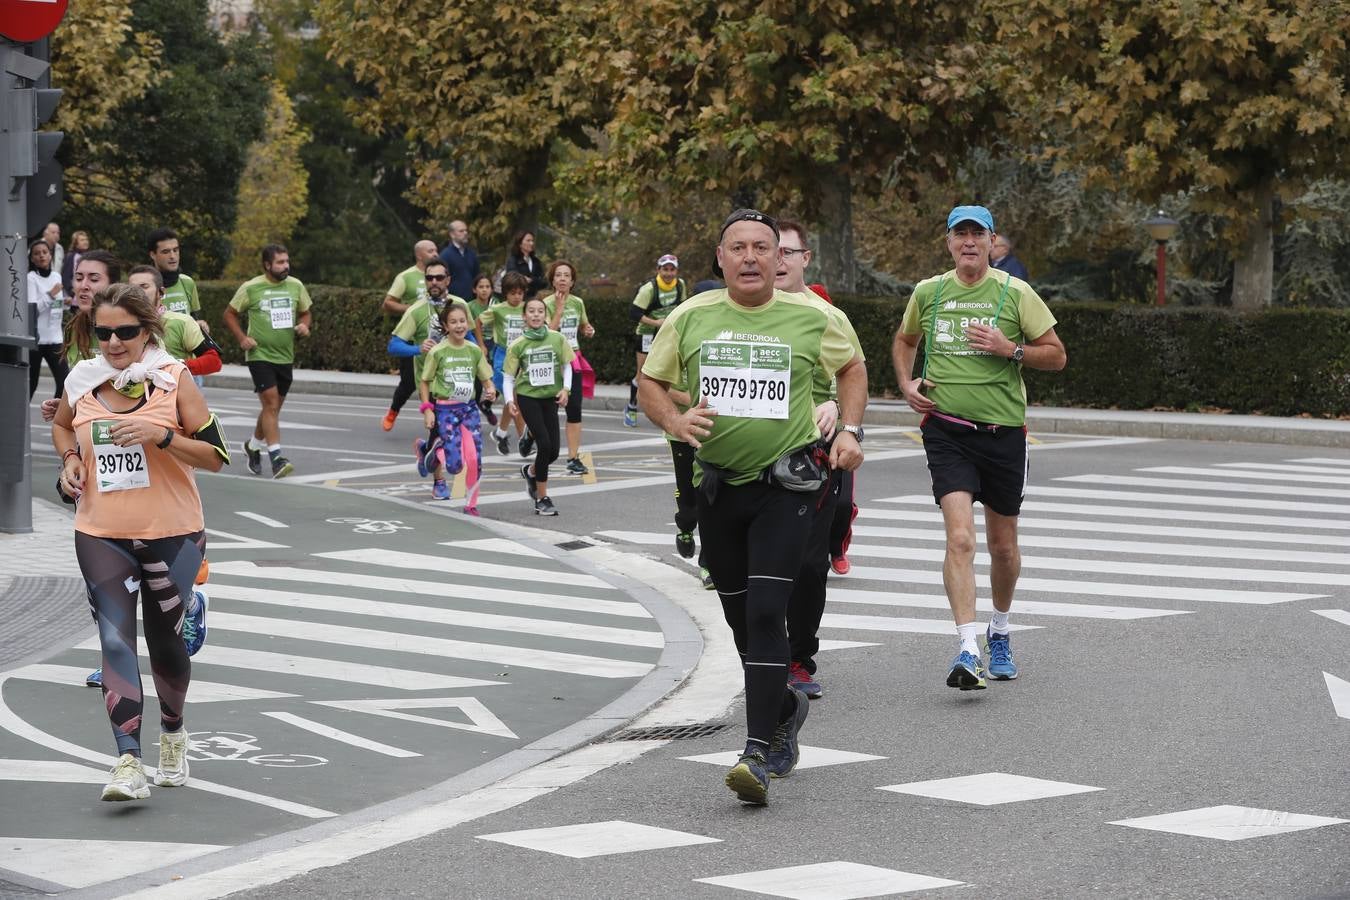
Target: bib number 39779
(753, 381)
(117, 468)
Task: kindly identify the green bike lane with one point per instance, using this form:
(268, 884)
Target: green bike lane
(361, 649)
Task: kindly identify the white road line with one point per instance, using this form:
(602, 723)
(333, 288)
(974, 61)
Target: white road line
(1092, 588)
(338, 734)
(198, 692)
(315, 667)
(238, 542)
(1323, 461)
(357, 459)
(50, 771)
(1160, 501)
(85, 863)
(372, 639)
(1340, 694)
(495, 545)
(557, 489)
(1263, 474)
(1335, 615)
(1226, 487)
(1151, 529)
(245, 424)
(403, 827)
(16, 725)
(260, 518)
(1024, 607)
(447, 588)
(1151, 548)
(898, 624)
(481, 719)
(373, 556)
(363, 472)
(650, 538)
(578, 631)
(1276, 467)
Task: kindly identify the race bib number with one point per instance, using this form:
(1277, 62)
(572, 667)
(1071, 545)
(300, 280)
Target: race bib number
(515, 327)
(570, 324)
(178, 305)
(117, 468)
(647, 342)
(540, 367)
(459, 382)
(752, 381)
(281, 312)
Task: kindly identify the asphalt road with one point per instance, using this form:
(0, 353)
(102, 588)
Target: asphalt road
(1183, 614)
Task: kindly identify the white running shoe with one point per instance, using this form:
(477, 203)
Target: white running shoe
(173, 764)
(127, 781)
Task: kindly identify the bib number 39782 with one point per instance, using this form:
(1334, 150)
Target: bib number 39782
(753, 381)
(117, 468)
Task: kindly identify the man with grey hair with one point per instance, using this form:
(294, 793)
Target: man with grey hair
(409, 286)
(461, 260)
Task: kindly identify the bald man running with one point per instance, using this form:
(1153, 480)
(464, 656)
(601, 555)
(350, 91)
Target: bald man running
(409, 286)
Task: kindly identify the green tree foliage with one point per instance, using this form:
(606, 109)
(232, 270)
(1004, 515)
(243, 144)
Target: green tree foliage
(360, 225)
(1235, 103)
(172, 153)
(274, 189)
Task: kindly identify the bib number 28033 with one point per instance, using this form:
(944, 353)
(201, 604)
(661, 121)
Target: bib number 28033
(282, 314)
(746, 379)
(117, 468)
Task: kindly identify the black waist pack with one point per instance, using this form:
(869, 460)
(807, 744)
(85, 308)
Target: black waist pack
(804, 470)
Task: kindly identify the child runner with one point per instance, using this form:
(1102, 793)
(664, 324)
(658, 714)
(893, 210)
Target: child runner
(533, 386)
(505, 321)
(448, 374)
(567, 315)
(482, 298)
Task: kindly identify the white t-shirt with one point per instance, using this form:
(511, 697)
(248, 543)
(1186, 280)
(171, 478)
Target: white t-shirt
(47, 309)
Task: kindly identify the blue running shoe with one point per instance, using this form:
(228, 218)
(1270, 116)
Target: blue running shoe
(783, 747)
(440, 490)
(194, 624)
(967, 672)
(800, 677)
(94, 679)
(749, 778)
(1001, 665)
(420, 454)
(630, 416)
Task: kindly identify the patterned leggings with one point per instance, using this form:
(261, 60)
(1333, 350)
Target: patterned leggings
(162, 571)
(452, 421)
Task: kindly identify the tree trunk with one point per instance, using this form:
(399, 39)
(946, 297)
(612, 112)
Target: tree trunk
(834, 252)
(1254, 268)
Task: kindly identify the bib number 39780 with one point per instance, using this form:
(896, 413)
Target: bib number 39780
(117, 468)
(753, 381)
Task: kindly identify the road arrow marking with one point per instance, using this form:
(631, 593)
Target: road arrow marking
(480, 718)
(1340, 694)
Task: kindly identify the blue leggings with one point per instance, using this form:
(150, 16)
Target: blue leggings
(453, 420)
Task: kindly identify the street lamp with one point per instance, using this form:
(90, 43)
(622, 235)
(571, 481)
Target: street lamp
(1161, 227)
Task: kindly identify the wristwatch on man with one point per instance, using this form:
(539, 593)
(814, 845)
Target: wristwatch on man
(855, 430)
(1018, 352)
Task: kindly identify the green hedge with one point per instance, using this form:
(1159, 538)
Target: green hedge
(1275, 361)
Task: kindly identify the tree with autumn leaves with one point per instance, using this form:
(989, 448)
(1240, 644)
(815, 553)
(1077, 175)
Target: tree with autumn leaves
(806, 106)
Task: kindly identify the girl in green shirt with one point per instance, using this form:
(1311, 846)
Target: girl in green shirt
(449, 373)
(534, 388)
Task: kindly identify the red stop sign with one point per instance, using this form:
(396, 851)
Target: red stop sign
(30, 20)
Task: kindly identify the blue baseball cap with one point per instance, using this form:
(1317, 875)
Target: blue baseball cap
(977, 214)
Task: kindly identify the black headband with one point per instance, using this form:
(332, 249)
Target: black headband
(747, 215)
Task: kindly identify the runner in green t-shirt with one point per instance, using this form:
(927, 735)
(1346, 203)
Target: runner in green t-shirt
(978, 328)
(534, 386)
(183, 336)
(568, 317)
(653, 303)
(482, 298)
(180, 291)
(418, 330)
(450, 372)
(747, 352)
(503, 323)
(278, 311)
(408, 287)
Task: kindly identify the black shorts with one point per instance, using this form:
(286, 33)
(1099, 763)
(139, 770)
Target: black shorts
(990, 464)
(270, 375)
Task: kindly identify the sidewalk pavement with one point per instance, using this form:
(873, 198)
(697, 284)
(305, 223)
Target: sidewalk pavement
(1042, 419)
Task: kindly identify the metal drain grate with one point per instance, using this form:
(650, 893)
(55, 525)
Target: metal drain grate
(669, 732)
(574, 545)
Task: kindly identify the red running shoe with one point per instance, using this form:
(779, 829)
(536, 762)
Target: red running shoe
(841, 565)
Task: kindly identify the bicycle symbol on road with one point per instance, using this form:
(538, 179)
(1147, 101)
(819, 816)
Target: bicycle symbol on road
(231, 746)
(372, 526)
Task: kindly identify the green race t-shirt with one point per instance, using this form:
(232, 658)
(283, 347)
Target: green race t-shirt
(657, 303)
(182, 335)
(506, 321)
(971, 383)
(754, 365)
(573, 316)
(421, 321)
(450, 371)
(823, 385)
(538, 365)
(409, 286)
(182, 297)
(271, 310)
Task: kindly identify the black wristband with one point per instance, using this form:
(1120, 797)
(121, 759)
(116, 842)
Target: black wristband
(168, 439)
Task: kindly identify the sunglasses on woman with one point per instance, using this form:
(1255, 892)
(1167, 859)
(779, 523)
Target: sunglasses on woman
(123, 332)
